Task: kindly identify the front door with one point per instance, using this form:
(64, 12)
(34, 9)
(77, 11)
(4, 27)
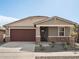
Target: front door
(44, 33)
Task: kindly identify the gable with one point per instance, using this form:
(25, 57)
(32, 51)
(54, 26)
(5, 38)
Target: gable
(55, 21)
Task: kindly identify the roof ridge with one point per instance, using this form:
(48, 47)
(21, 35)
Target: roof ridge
(56, 17)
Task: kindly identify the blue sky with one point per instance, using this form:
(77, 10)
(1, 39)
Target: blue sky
(68, 9)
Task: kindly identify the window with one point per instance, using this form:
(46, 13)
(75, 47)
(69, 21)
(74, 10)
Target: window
(61, 31)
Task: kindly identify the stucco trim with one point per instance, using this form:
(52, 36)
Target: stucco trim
(55, 25)
(55, 36)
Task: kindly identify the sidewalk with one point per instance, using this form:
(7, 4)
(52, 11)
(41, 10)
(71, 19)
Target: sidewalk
(33, 55)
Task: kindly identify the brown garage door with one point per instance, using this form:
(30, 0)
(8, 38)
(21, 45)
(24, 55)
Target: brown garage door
(22, 34)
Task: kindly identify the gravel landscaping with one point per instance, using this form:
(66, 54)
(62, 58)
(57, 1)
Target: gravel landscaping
(58, 47)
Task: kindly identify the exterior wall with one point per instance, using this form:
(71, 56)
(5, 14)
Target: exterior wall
(67, 31)
(52, 31)
(7, 33)
(37, 34)
(38, 39)
(55, 38)
(53, 34)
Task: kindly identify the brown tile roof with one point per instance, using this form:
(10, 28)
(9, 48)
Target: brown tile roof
(32, 18)
(38, 19)
(56, 17)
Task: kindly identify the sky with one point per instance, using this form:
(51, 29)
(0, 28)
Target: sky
(17, 9)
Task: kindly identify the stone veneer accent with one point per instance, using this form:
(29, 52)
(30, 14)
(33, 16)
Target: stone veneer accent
(56, 39)
(7, 39)
(1, 38)
(37, 39)
(59, 39)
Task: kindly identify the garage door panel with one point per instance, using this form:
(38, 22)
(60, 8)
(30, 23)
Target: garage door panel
(22, 34)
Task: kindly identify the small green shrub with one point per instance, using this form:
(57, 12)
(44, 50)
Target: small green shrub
(52, 44)
(66, 46)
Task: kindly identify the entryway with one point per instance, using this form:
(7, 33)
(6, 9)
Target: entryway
(44, 33)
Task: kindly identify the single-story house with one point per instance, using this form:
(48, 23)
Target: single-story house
(39, 28)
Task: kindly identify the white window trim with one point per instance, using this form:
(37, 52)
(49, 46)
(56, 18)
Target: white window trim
(59, 31)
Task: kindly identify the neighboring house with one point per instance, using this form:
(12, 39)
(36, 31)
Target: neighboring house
(40, 28)
(2, 34)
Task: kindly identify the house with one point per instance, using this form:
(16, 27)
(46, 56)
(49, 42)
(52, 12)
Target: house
(2, 34)
(39, 28)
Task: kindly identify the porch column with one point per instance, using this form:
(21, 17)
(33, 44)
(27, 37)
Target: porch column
(37, 34)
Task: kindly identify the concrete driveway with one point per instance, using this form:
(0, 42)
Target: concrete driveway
(17, 47)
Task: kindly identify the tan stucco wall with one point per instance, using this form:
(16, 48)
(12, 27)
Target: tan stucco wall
(52, 31)
(67, 31)
(37, 31)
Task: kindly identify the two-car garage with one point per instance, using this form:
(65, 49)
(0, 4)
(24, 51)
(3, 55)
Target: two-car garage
(22, 35)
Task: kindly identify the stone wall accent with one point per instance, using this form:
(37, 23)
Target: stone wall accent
(7, 39)
(37, 39)
(1, 38)
(59, 39)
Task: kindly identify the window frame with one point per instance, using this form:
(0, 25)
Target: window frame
(61, 31)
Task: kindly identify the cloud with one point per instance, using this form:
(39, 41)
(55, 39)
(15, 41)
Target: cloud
(6, 20)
